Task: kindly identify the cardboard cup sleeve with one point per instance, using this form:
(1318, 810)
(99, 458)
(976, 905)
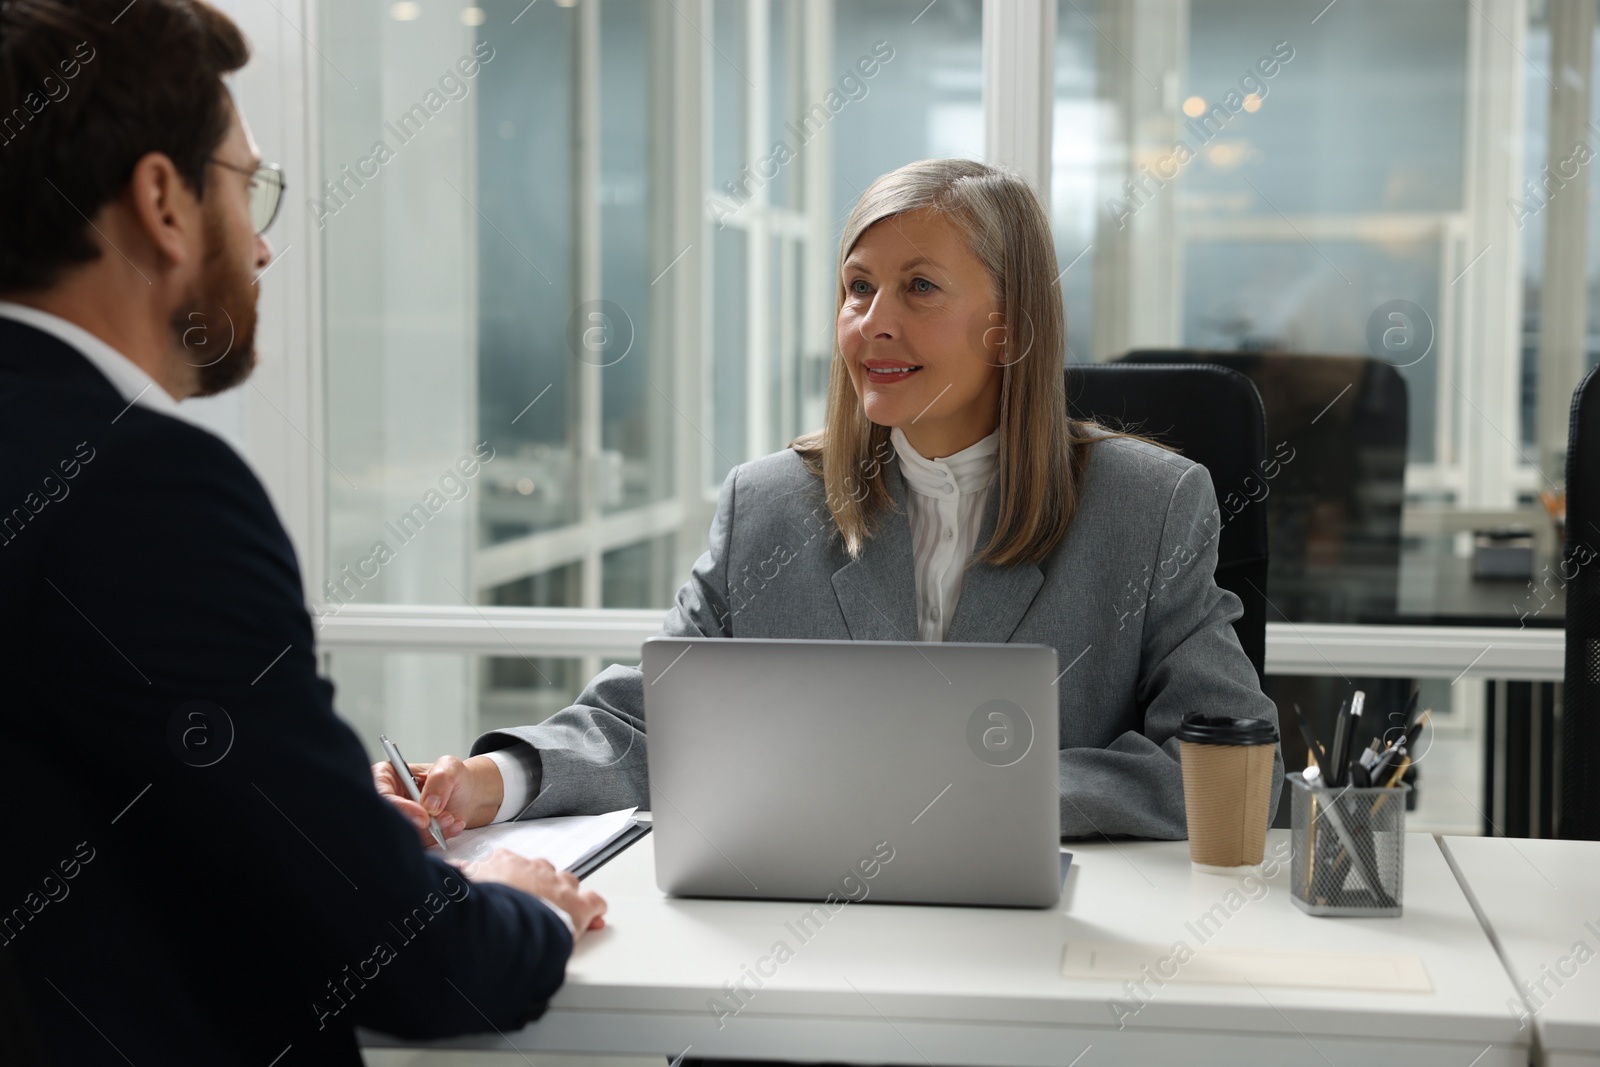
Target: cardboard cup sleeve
(1227, 788)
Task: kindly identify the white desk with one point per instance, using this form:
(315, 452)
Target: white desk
(909, 985)
(1539, 899)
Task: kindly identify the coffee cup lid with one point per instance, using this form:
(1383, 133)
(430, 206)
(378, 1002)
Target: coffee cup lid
(1224, 730)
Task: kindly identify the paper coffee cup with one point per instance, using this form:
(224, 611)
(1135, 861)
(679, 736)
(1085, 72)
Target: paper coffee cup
(1227, 788)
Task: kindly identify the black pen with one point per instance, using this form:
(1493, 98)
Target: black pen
(1314, 750)
(1415, 731)
(1410, 708)
(1341, 746)
(1358, 704)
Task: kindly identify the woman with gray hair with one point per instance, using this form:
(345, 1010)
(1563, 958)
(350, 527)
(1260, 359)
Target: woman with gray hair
(949, 497)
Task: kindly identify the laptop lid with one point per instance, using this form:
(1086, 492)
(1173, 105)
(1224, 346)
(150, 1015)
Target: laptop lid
(854, 770)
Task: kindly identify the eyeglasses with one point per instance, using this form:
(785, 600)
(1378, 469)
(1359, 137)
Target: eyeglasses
(266, 191)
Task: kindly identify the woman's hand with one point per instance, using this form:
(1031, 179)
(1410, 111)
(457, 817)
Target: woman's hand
(459, 793)
(539, 877)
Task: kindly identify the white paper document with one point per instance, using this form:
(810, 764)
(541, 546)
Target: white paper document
(1119, 960)
(566, 840)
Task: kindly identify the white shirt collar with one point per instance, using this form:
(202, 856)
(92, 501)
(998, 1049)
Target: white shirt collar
(971, 469)
(126, 377)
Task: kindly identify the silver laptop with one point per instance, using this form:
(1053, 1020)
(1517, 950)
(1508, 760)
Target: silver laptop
(864, 771)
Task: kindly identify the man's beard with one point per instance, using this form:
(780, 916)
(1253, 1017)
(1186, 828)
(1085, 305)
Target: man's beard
(214, 330)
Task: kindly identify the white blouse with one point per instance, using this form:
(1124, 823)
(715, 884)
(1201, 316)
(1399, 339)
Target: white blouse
(945, 502)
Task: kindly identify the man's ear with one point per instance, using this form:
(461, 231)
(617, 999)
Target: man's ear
(165, 211)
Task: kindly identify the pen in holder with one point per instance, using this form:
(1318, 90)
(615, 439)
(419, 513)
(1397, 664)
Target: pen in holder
(1348, 848)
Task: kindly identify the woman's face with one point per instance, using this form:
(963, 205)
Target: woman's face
(920, 331)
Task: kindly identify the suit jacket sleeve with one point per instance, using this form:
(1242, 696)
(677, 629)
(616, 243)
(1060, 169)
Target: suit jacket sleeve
(591, 756)
(179, 561)
(1190, 661)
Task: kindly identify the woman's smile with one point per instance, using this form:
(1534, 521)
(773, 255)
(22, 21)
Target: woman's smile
(889, 371)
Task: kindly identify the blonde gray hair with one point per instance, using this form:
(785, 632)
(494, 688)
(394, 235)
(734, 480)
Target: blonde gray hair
(1042, 452)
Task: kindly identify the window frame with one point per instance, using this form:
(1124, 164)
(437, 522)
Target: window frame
(280, 93)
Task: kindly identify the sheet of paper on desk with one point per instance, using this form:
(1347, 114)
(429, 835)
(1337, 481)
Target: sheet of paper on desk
(566, 840)
(1120, 960)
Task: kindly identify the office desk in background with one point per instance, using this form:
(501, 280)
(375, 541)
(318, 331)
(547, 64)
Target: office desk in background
(1438, 589)
(1539, 899)
(1519, 796)
(913, 985)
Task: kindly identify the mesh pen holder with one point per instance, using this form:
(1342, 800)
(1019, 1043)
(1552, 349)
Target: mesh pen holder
(1348, 847)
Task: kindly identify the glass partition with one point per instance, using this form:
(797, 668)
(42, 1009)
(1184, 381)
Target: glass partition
(1350, 206)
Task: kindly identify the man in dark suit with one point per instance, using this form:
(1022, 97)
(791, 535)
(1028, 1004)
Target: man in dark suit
(198, 868)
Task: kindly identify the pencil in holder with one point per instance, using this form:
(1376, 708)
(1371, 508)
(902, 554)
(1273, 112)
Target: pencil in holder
(1348, 849)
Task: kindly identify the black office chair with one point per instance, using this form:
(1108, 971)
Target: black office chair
(1334, 513)
(1212, 415)
(1580, 714)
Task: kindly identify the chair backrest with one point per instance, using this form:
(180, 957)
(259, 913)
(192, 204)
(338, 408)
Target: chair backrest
(1334, 507)
(1212, 415)
(1580, 569)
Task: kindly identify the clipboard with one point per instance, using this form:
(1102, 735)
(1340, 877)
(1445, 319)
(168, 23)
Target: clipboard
(615, 848)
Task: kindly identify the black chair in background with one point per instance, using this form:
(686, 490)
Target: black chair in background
(1331, 499)
(1580, 568)
(1213, 416)
(1334, 509)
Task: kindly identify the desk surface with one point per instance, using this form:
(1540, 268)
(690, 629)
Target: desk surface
(919, 985)
(1540, 900)
(1438, 589)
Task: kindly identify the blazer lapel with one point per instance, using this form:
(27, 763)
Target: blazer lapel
(878, 592)
(993, 599)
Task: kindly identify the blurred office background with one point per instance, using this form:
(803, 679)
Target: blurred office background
(595, 240)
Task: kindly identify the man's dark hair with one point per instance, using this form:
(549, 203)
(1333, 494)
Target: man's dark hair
(88, 88)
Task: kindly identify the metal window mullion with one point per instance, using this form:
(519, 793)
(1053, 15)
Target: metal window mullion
(1358, 226)
(758, 277)
(787, 341)
(661, 251)
(310, 520)
(1492, 287)
(1563, 300)
(475, 672)
(587, 278)
(507, 561)
(282, 93)
(1139, 262)
(678, 106)
(701, 45)
(1449, 339)
(587, 275)
(1454, 652)
(816, 200)
(1317, 649)
(1019, 41)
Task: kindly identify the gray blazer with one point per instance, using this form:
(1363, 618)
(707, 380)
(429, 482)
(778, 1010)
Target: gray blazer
(1127, 599)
